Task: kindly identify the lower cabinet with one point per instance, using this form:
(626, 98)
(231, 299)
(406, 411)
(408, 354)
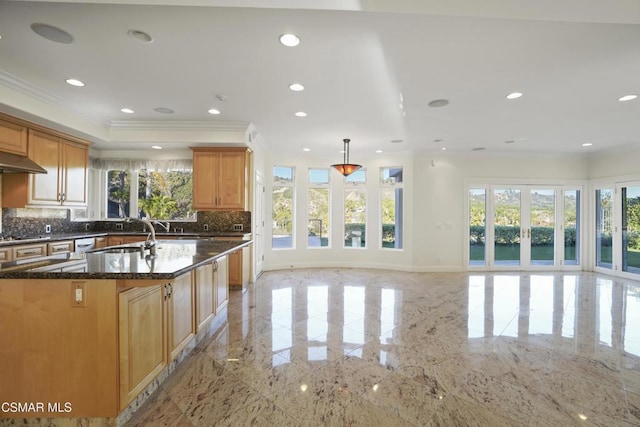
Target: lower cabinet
(158, 320)
(142, 338)
(181, 313)
(211, 284)
(221, 275)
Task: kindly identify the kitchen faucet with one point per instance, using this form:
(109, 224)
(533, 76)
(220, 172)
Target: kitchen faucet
(165, 225)
(150, 243)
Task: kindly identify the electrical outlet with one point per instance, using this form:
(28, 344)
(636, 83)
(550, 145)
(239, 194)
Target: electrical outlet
(237, 227)
(78, 294)
(206, 227)
(119, 227)
(47, 228)
(87, 226)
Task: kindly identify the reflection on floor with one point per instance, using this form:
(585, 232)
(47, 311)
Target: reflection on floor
(380, 348)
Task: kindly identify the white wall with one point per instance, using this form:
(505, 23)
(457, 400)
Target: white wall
(435, 207)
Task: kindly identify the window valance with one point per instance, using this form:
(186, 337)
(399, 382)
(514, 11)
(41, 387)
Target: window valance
(137, 164)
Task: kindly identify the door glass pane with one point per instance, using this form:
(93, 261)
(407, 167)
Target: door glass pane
(477, 225)
(631, 229)
(572, 227)
(318, 214)
(507, 227)
(604, 216)
(543, 213)
(392, 218)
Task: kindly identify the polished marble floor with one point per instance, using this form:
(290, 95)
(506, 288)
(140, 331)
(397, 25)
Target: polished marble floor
(355, 347)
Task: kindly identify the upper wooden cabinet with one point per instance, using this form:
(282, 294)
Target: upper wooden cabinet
(64, 184)
(13, 138)
(219, 178)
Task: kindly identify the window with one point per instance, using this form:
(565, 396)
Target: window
(392, 208)
(355, 210)
(283, 212)
(318, 197)
(604, 227)
(163, 195)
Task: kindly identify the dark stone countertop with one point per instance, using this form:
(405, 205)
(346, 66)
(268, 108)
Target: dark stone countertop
(174, 258)
(81, 235)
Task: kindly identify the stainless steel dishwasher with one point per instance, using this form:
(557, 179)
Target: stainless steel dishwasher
(85, 245)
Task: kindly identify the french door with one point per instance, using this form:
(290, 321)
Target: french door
(523, 227)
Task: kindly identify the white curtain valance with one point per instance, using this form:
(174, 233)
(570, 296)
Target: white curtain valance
(137, 164)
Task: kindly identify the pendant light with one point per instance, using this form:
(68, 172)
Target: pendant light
(346, 168)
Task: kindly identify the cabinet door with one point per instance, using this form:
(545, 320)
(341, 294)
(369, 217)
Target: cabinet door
(181, 322)
(44, 189)
(115, 240)
(222, 282)
(13, 138)
(205, 295)
(235, 268)
(142, 339)
(205, 169)
(74, 170)
(231, 181)
(6, 254)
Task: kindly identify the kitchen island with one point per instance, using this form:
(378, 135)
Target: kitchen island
(96, 341)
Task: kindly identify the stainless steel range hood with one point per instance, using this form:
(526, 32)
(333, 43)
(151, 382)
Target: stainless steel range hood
(12, 163)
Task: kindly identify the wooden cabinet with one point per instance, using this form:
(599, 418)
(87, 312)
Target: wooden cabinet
(101, 242)
(181, 314)
(142, 339)
(239, 266)
(29, 251)
(125, 240)
(62, 247)
(6, 254)
(219, 178)
(205, 295)
(13, 138)
(156, 324)
(64, 184)
(220, 268)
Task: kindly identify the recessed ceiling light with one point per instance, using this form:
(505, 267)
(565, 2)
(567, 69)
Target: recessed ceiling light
(511, 141)
(156, 147)
(75, 82)
(52, 33)
(289, 40)
(514, 95)
(627, 98)
(478, 148)
(222, 97)
(378, 151)
(163, 110)
(301, 114)
(437, 140)
(127, 110)
(443, 148)
(438, 103)
(397, 141)
(214, 111)
(587, 144)
(140, 36)
(296, 87)
(306, 149)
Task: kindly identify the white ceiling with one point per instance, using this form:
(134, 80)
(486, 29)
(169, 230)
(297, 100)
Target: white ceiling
(369, 67)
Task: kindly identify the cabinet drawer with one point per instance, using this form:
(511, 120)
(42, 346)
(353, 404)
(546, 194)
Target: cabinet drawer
(29, 251)
(60, 247)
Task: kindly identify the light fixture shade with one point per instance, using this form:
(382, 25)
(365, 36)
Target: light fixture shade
(346, 168)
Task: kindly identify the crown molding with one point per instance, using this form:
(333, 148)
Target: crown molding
(183, 125)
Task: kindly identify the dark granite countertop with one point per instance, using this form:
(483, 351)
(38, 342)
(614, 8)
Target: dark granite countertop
(81, 235)
(174, 258)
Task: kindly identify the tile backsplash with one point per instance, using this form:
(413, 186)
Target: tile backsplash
(32, 222)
